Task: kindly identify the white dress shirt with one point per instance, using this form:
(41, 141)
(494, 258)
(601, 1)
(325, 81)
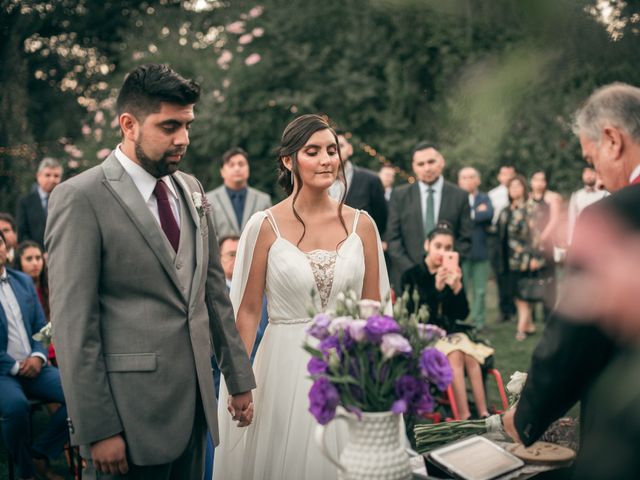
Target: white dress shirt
(499, 197)
(18, 343)
(337, 188)
(146, 183)
(437, 199)
(635, 173)
(44, 197)
(580, 200)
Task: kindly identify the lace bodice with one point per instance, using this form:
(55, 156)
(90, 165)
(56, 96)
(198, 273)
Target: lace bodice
(322, 265)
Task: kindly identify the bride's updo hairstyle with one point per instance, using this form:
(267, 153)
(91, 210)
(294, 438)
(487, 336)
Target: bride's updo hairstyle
(294, 138)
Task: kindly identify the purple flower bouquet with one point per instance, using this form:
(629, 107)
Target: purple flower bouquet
(366, 361)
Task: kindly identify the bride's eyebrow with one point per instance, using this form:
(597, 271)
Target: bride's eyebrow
(310, 146)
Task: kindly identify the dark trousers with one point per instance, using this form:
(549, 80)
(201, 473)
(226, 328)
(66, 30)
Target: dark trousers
(16, 418)
(188, 466)
(505, 289)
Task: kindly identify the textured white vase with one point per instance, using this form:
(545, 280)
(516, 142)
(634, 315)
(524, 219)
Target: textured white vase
(375, 450)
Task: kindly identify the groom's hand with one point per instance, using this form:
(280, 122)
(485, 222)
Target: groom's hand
(240, 406)
(109, 456)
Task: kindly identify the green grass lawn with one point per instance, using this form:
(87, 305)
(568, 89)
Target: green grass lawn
(510, 356)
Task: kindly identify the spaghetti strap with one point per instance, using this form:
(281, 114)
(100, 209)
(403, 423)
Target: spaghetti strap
(273, 223)
(355, 221)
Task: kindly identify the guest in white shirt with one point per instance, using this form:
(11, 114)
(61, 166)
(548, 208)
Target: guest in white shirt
(24, 374)
(584, 197)
(500, 200)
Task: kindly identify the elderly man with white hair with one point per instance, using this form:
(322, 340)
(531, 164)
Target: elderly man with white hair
(578, 357)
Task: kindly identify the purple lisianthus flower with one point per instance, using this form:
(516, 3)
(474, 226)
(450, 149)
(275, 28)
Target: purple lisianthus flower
(400, 406)
(316, 366)
(430, 332)
(426, 403)
(435, 367)
(379, 325)
(320, 326)
(323, 400)
(329, 343)
(393, 344)
(408, 387)
(356, 330)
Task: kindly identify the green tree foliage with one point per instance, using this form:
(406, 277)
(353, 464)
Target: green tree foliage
(490, 82)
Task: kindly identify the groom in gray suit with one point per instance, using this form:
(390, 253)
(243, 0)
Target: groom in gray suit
(138, 296)
(235, 201)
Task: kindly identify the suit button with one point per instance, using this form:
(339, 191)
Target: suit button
(178, 266)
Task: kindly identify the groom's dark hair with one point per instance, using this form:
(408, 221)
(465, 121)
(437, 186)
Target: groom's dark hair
(146, 87)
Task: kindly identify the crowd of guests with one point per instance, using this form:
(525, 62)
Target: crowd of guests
(512, 230)
(441, 240)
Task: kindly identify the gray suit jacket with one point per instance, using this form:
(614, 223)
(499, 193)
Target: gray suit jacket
(224, 218)
(133, 342)
(405, 232)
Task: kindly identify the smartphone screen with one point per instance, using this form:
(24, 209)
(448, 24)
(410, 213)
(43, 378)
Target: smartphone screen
(450, 260)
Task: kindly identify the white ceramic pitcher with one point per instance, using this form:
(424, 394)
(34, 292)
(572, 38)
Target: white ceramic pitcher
(375, 450)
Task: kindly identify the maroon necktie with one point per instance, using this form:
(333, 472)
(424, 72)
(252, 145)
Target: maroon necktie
(167, 220)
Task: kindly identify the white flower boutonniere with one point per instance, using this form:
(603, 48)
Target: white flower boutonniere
(201, 203)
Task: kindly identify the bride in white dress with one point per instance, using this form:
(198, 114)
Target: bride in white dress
(302, 252)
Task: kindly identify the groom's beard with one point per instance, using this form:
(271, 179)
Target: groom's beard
(158, 168)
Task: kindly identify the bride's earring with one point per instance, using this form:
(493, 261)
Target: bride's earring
(291, 175)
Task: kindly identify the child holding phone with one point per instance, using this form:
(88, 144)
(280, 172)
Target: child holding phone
(438, 281)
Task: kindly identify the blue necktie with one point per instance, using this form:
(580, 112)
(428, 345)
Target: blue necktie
(236, 201)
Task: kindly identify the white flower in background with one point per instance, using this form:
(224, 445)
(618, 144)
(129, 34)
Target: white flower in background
(245, 39)
(252, 59)
(256, 11)
(235, 27)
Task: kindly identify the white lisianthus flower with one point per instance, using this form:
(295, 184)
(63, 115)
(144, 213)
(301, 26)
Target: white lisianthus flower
(368, 308)
(394, 344)
(339, 324)
(515, 385)
(356, 330)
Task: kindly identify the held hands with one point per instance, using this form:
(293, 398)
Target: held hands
(31, 367)
(109, 456)
(240, 406)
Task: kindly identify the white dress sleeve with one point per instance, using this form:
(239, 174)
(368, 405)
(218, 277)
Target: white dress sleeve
(244, 257)
(385, 289)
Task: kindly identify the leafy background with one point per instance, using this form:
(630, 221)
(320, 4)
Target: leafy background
(489, 82)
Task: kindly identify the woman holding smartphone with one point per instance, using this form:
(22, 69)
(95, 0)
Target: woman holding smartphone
(438, 283)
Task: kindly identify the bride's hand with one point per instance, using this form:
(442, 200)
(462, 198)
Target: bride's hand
(240, 406)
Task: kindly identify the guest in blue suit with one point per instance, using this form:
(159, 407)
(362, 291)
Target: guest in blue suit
(24, 374)
(475, 268)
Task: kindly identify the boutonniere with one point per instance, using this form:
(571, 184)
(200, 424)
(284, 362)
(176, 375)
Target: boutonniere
(201, 203)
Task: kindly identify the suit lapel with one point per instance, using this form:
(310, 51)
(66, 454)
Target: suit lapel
(227, 208)
(415, 207)
(181, 180)
(446, 195)
(249, 206)
(126, 192)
